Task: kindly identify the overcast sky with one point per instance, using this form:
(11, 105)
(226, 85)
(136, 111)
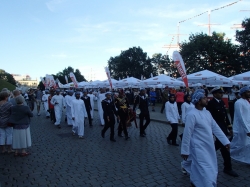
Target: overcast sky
(39, 37)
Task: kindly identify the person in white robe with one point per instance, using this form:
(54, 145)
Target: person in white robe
(68, 101)
(78, 111)
(186, 107)
(240, 145)
(59, 103)
(100, 96)
(92, 97)
(45, 103)
(198, 141)
(173, 117)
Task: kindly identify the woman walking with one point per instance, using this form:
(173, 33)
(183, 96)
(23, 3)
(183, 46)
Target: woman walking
(20, 118)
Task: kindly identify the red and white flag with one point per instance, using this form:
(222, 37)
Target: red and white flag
(50, 81)
(180, 66)
(73, 78)
(108, 75)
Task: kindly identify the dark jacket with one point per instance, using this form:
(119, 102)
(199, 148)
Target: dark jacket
(143, 104)
(20, 114)
(108, 109)
(87, 102)
(219, 114)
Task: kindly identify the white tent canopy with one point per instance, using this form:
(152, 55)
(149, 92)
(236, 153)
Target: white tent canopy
(128, 82)
(243, 76)
(162, 79)
(209, 78)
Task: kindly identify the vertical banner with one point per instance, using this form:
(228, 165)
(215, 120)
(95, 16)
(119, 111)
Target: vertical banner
(66, 79)
(73, 78)
(108, 75)
(180, 66)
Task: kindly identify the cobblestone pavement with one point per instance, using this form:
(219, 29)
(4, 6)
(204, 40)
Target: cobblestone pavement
(60, 159)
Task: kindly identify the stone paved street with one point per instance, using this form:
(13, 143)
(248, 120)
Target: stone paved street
(60, 159)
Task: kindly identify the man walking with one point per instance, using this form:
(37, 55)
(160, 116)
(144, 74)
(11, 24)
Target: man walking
(68, 102)
(59, 103)
(38, 96)
(240, 145)
(216, 107)
(198, 141)
(88, 106)
(78, 113)
(165, 95)
(142, 101)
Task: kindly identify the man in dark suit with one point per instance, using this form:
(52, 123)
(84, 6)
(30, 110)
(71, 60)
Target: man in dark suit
(142, 101)
(216, 106)
(88, 107)
(109, 111)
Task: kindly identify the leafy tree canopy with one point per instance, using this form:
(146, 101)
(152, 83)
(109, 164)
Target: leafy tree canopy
(132, 62)
(213, 53)
(243, 37)
(7, 77)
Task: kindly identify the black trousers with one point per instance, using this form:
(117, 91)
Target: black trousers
(123, 124)
(173, 134)
(179, 107)
(52, 115)
(163, 106)
(225, 154)
(109, 124)
(143, 116)
(89, 116)
(231, 110)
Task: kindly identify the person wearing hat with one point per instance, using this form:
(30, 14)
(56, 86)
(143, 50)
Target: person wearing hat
(59, 103)
(197, 147)
(216, 107)
(68, 100)
(109, 111)
(164, 98)
(78, 112)
(240, 145)
(88, 106)
(142, 101)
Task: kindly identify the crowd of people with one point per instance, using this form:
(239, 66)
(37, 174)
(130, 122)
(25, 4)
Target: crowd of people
(208, 126)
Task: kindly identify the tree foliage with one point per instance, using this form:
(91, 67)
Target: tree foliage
(243, 37)
(132, 62)
(213, 53)
(7, 77)
(61, 75)
(164, 64)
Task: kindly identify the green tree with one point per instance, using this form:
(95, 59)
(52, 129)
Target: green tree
(164, 64)
(7, 77)
(243, 37)
(213, 53)
(132, 62)
(66, 72)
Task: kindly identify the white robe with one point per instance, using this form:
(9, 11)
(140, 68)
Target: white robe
(240, 145)
(92, 104)
(198, 141)
(185, 108)
(46, 104)
(58, 107)
(172, 113)
(78, 112)
(100, 97)
(68, 100)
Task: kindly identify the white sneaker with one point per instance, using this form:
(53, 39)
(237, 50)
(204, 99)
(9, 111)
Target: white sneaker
(183, 170)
